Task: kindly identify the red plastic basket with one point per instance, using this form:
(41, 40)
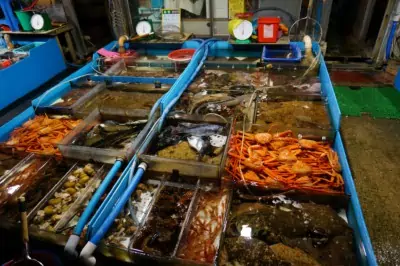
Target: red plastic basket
(181, 55)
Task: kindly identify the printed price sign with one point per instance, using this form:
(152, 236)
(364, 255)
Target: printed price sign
(171, 20)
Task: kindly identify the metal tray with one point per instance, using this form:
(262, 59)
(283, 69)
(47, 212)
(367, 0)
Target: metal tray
(68, 110)
(122, 69)
(81, 108)
(97, 154)
(75, 206)
(119, 251)
(11, 191)
(305, 127)
(187, 167)
(141, 256)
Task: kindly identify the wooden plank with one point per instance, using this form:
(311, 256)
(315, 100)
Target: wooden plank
(52, 32)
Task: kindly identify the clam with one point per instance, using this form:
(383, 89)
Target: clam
(48, 210)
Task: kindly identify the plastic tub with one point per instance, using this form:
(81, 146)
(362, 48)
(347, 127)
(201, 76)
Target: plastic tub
(24, 18)
(282, 53)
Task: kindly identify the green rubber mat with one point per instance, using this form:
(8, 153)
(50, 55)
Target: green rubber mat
(377, 102)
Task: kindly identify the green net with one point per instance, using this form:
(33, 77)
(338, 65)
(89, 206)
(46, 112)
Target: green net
(377, 102)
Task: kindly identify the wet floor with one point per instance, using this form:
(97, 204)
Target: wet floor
(373, 151)
(361, 78)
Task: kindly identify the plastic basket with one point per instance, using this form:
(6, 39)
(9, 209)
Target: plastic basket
(290, 53)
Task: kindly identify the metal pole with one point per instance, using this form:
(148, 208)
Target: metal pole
(211, 6)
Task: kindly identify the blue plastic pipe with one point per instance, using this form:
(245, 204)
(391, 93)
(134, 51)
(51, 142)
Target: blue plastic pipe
(107, 204)
(73, 240)
(390, 39)
(87, 252)
(179, 93)
(176, 88)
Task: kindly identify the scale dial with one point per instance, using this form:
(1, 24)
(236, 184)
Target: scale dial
(37, 22)
(143, 27)
(243, 31)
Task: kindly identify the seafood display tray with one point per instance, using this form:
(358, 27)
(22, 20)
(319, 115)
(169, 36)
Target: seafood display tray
(82, 93)
(105, 155)
(116, 242)
(73, 206)
(276, 230)
(107, 98)
(163, 70)
(156, 87)
(310, 113)
(187, 167)
(9, 160)
(220, 106)
(22, 179)
(217, 78)
(195, 191)
(40, 133)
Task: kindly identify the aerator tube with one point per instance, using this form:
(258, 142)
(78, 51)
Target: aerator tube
(73, 240)
(87, 252)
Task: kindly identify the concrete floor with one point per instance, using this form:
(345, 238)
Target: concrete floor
(373, 150)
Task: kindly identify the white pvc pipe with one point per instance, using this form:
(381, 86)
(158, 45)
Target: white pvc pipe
(87, 254)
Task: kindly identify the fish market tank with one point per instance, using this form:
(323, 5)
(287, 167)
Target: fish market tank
(103, 98)
(57, 212)
(34, 177)
(277, 230)
(237, 103)
(194, 147)
(157, 70)
(306, 116)
(118, 238)
(265, 79)
(68, 102)
(105, 137)
(41, 134)
(189, 234)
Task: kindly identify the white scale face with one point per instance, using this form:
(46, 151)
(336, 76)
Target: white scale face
(143, 28)
(37, 22)
(243, 31)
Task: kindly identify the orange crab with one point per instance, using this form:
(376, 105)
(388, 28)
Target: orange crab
(266, 159)
(41, 134)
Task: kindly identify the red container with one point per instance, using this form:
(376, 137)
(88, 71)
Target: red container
(268, 29)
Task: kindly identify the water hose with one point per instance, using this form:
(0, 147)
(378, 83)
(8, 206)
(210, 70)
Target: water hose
(87, 252)
(73, 240)
(158, 102)
(173, 101)
(173, 92)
